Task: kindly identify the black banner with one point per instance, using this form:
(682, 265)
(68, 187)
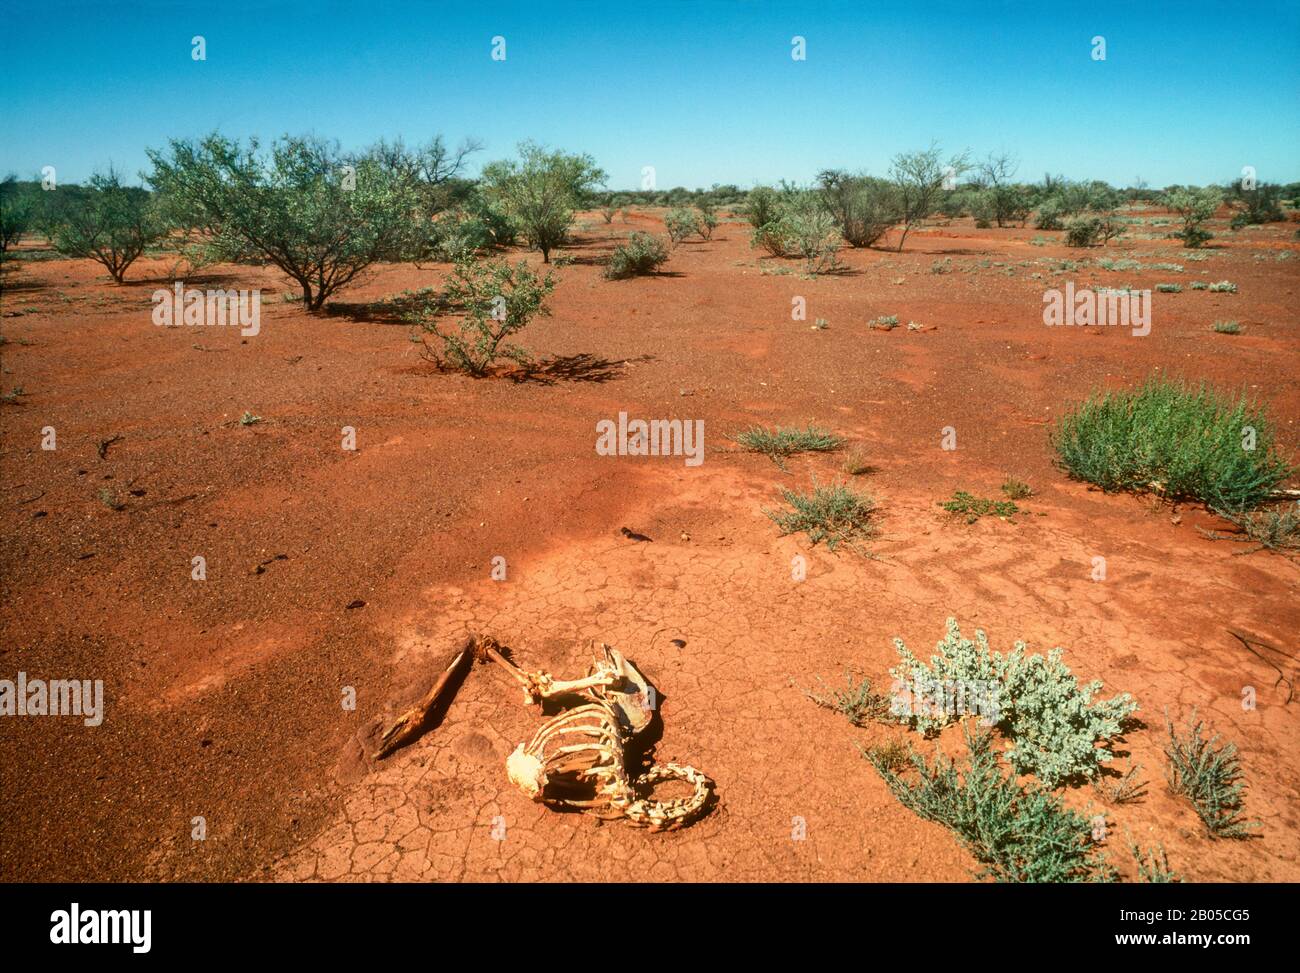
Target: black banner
(538, 923)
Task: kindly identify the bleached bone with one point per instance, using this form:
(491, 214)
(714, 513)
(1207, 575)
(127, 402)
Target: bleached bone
(576, 761)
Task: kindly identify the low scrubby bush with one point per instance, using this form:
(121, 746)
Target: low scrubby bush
(641, 254)
(680, 224)
(1019, 834)
(1185, 443)
(864, 207)
(1194, 207)
(1086, 231)
(1057, 731)
(494, 301)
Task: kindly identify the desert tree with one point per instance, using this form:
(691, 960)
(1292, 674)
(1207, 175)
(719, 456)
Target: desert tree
(1193, 207)
(106, 221)
(17, 212)
(321, 216)
(919, 179)
(541, 191)
(1008, 200)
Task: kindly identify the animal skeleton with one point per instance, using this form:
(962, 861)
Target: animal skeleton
(576, 759)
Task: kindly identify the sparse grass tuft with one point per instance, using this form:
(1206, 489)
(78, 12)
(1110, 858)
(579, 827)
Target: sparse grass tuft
(780, 443)
(857, 464)
(1228, 327)
(248, 419)
(1186, 443)
(894, 755)
(886, 322)
(1209, 777)
(856, 701)
(833, 514)
(1128, 788)
(1169, 288)
(1153, 865)
(1272, 530)
(1016, 490)
(1223, 287)
(976, 507)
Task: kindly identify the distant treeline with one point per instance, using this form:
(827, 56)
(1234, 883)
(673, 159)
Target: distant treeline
(323, 215)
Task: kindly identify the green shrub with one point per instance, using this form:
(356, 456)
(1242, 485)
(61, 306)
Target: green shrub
(1085, 231)
(1052, 721)
(1050, 215)
(494, 301)
(833, 514)
(707, 221)
(774, 237)
(1183, 442)
(642, 254)
(1227, 327)
(1081, 231)
(983, 209)
(810, 232)
(497, 225)
(918, 181)
(1019, 834)
(1223, 287)
(680, 224)
(1209, 777)
(885, 322)
(1169, 288)
(864, 207)
(1263, 204)
(1194, 207)
(760, 207)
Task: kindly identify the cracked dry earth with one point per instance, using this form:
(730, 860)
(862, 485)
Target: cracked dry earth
(795, 799)
(330, 569)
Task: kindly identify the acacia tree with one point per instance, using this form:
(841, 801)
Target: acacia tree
(541, 191)
(919, 179)
(107, 222)
(1008, 201)
(17, 212)
(321, 216)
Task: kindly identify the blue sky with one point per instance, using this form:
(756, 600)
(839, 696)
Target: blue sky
(705, 92)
